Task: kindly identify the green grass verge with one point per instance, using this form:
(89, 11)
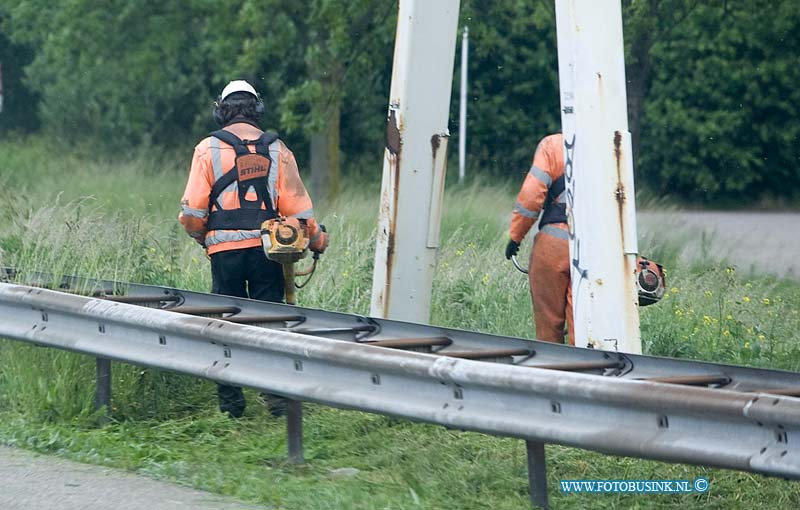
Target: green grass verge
(117, 221)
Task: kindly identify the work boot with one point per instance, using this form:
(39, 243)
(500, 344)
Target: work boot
(276, 405)
(231, 400)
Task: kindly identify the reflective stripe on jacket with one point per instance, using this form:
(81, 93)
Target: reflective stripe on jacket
(212, 158)
(547, 167)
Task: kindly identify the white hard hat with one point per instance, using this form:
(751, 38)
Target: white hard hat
(237, 86)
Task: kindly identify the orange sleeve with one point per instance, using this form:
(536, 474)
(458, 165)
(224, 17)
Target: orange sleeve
(532, 196)
(293, 199)
(194, 204)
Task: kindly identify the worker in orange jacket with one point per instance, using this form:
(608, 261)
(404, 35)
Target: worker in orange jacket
(240, 177)
(543, 198)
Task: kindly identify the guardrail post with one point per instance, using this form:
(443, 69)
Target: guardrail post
(102, 394)
(537, 474)
(294, 429)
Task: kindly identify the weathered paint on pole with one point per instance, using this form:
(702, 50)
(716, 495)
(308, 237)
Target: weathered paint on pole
(414, 159)
(462, 107)
(599, 174)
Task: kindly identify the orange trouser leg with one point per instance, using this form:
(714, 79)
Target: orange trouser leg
(550, 288)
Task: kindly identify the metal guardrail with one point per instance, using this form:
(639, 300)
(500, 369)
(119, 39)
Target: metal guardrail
(668, 420)
(422, 338)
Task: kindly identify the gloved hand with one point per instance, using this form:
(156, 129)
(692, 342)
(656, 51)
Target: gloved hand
(321, 242)
(511, 248)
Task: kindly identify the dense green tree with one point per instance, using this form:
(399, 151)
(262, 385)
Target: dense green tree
(513, 84)
(119, 73)
(18, 111)
(713, 101)
(646, 22)
(316, 63)
(721, 114)
(343, 43)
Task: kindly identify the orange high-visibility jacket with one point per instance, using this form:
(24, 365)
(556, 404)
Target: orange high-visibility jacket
(547, 168)
(212, 159)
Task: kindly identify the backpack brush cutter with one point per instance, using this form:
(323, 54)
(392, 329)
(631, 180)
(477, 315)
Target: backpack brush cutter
(650, 279)
(285, 240)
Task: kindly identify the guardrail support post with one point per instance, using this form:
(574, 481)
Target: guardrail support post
(102, 394)
(294, 428)
(537, 474)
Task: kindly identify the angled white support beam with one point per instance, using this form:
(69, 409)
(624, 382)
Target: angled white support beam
(415, 159)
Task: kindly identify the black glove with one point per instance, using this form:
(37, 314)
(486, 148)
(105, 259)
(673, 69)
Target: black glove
(511, 248)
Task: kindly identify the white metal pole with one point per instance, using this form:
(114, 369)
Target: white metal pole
(462, 119)
(414, 159)
(599, 174)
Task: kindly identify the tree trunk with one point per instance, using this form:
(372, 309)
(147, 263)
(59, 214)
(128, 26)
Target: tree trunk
(638, 76)
(320, 161)
(325, 166)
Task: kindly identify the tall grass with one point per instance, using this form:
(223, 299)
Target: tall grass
(116, 220)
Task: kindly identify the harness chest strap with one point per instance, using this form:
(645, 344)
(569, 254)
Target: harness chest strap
(250, 171)
(555, 209)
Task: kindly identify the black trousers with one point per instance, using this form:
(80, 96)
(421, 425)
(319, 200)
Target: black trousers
(245, 273)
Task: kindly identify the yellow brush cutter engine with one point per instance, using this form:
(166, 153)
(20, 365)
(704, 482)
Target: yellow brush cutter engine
(285, 240)
(650, 279)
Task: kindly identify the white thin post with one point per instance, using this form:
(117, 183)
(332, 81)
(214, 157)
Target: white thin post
(414, 159)
(599, 174)
(462, 117)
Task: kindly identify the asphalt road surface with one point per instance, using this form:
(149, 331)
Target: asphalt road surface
(34, 482)
(760, 242)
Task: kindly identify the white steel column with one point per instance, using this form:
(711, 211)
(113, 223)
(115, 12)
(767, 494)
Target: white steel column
(414, 159)
(599, 174)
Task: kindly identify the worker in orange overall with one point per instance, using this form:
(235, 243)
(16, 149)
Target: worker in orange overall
(240, 177)
(543, 197)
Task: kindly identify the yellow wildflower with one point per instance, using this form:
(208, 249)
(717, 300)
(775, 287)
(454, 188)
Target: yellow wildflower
(762, 337)
(726, 333)
(674, 290)
(765, 300)
(708, 293)
(747, 345)
(746, 299)
(729, 317)
(706, 320)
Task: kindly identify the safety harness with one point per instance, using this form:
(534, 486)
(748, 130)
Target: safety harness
(554, 212)
(250, 171)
